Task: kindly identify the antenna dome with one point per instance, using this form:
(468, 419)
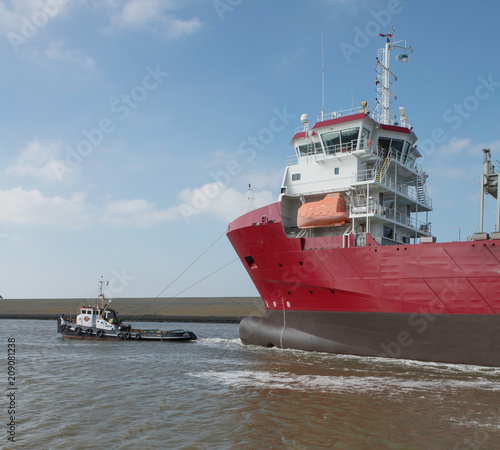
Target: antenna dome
(304, 119)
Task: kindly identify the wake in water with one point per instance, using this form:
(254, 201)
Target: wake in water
(323, 383)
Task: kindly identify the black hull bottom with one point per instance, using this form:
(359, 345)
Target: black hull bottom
(462, 339)
(142, 338)
(82, 332)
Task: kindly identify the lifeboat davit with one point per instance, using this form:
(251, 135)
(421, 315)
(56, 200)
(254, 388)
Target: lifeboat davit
(331, 211)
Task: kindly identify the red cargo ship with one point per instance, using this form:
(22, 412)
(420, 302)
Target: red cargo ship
(363, 274)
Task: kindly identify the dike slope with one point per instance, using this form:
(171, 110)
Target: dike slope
(187, 309)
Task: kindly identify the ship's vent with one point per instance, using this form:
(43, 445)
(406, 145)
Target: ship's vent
(250, 262)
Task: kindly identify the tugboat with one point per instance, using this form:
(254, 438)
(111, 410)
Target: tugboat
(102, 322)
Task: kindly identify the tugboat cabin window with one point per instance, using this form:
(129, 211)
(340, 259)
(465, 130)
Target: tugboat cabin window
(336, 170)
(295, 176)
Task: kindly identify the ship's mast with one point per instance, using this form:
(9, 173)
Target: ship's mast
(322, 80)
(385, 78)
(489, 185)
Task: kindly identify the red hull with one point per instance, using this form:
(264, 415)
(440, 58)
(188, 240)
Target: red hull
(315, 274)
(299, 276)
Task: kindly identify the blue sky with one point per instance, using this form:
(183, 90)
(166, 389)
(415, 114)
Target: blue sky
(126, 126)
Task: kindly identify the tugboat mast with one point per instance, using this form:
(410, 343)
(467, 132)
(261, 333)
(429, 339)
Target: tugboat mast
(101, 294)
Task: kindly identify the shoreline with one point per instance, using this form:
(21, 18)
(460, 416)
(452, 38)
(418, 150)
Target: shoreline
(187, 309)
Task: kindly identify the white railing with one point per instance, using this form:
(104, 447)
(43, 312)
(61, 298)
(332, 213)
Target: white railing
(341, 113)
(364, 175)
(397, 154)
(334, 151)
(408, 191)
(388, 241)
(382, 211)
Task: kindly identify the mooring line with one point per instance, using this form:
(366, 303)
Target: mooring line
(204, 278)
(182, 273)
(185, 270)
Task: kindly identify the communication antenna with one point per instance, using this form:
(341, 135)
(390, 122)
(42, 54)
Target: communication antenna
(251, 206)
(322, 79)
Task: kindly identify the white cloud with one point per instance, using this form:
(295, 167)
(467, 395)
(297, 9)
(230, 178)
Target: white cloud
(19, 15)
(39, 160)
(24, 207)
(20, 206)
(211, 199)
(455, 146)
(74, 58)
(458, 146)
(151, 15)
(137, 212)
(220, 201)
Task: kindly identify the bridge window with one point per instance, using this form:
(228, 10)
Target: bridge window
(365, 136)
(331, 142)
(344, 140)
(310, 149)
(397, 144)
(405, 152)
(384, 144)
(347, 137)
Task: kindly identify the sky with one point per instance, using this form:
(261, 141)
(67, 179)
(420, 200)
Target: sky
(130, 129)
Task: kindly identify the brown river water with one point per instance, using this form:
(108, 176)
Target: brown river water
(217, 393)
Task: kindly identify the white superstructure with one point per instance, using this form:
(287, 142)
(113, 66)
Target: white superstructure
(371, 160)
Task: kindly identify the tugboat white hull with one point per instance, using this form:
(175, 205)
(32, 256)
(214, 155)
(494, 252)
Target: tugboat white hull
(71, 330)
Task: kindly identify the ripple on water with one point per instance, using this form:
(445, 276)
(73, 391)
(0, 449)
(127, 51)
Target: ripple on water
(218, 393)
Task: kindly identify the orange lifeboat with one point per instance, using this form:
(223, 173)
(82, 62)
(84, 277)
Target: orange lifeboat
(331, 211)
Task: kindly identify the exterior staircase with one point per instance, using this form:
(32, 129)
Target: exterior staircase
(383, 169)
(421, 197)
